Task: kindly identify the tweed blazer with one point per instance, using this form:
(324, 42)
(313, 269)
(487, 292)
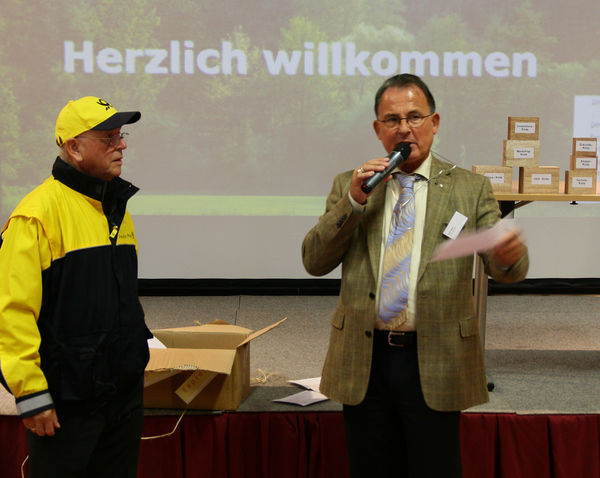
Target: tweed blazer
(450, 352)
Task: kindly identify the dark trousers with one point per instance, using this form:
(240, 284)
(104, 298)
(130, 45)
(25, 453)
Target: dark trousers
(100, 443)
(393, 433)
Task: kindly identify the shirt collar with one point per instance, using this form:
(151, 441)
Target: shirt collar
(423, 171)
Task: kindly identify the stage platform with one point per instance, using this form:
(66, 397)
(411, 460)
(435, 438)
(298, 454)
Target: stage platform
(542, 421)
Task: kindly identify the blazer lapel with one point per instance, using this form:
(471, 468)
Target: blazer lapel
(438, 203)
(373, 226)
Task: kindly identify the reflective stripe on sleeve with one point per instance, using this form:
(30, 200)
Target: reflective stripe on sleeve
(39, 402)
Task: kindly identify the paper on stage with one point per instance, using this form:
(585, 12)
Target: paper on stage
(307, 397)
(308, 383)
(469, 243)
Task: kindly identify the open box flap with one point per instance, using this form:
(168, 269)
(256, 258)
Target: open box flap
(260, 332)
(208, 336)
(214, 360)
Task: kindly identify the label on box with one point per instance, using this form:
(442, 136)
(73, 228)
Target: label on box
(585, 146)
(585, 163)
(495, 178)
(527, 128)
(523, 153)
(582, 182)
(194, 385)
(541, 179)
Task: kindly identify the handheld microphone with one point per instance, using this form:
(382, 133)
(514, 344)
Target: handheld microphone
(398, 156)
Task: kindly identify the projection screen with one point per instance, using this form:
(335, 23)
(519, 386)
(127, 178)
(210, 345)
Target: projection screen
(250, 108)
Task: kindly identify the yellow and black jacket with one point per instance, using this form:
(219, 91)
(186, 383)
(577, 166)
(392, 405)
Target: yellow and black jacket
(72, 329)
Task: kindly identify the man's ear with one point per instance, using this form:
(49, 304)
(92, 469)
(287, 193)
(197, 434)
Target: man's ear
(435, 120)
(72, 148)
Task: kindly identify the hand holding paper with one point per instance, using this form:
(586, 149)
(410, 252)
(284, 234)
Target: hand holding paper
(503, 239)
(510, 249)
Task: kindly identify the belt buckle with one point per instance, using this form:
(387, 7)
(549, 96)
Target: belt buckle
(389, 338)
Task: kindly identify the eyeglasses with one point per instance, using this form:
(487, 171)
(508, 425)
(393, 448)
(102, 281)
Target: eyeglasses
(413, 121)
(113, 141)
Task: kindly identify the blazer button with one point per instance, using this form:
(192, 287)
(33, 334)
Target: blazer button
(368, 333)
(371, 295)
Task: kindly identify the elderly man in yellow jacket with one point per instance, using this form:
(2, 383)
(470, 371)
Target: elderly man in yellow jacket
(73, 341)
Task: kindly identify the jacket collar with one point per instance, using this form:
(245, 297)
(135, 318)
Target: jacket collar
(91, 186)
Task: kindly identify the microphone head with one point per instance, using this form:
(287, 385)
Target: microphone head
(404, 149)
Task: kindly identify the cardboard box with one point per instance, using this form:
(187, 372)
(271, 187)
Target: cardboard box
(523, 127)
(500, 176)
(519, 153)
(584, 162)
(539, 180)
(204, 367)
(580, 181)
(585, 146)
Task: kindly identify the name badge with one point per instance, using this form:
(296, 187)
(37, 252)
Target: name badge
(455, 225)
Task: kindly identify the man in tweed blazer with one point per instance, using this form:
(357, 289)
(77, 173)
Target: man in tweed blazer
(403, 385)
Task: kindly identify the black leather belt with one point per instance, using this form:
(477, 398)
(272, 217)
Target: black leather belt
(396, 338)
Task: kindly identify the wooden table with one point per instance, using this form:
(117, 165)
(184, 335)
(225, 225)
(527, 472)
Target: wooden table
(510, 201)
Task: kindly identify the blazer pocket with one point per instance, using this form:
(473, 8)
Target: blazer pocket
(468, 327)
(337, 321)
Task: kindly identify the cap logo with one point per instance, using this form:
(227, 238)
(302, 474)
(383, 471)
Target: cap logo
(101, 102)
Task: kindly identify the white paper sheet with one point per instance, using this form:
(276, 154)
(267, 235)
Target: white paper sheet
(154, 343)
(469, 243)
(307, 397)
(308, 383)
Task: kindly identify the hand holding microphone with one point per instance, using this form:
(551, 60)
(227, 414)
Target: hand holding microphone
(400, 154)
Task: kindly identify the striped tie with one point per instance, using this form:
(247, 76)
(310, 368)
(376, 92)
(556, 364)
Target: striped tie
(393, 301)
